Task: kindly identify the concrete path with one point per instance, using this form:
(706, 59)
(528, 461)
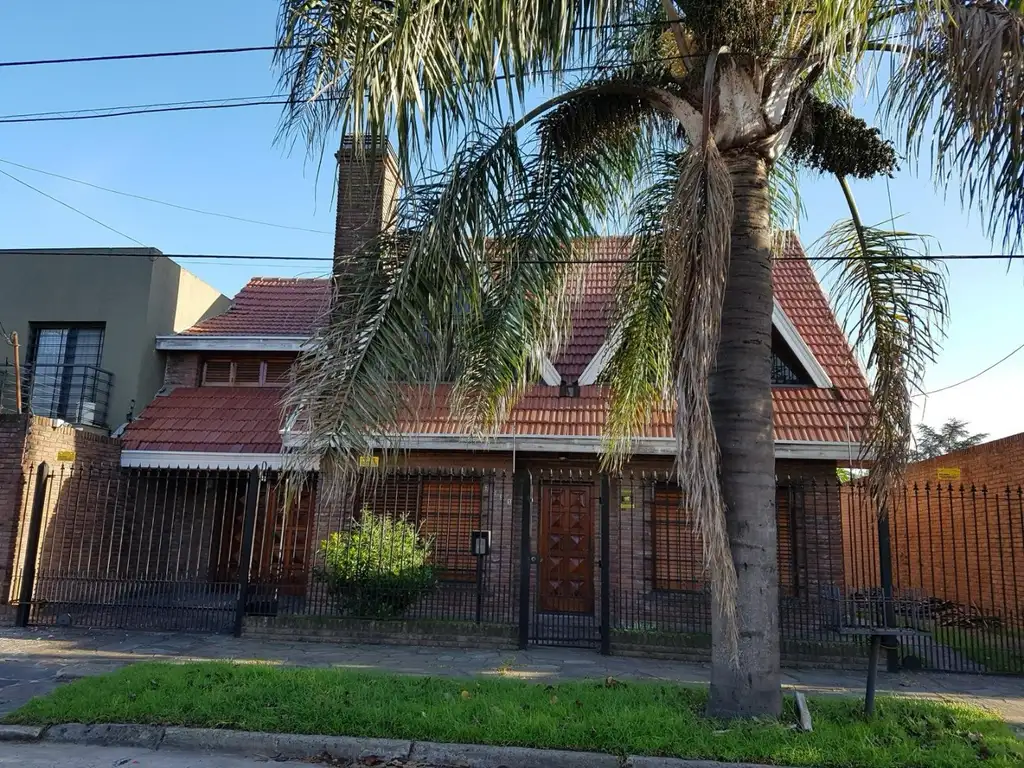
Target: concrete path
(33, 662)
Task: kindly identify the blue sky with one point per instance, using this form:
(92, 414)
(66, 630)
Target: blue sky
(227, 161)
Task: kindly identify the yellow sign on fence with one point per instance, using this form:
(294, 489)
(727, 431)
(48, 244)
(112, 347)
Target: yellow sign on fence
(66, 455)
(948, 473)
(369, 461)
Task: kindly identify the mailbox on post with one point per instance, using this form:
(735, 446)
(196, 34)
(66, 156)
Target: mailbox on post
(480, 543)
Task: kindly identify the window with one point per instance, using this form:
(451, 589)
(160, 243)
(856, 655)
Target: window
(66, 380)
(444, 509)
(786, 369)
(247, 372)
(677, 551)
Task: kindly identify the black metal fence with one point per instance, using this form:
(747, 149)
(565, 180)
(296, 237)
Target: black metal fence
(545, 557)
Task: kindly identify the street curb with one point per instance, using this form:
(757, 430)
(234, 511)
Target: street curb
(292, 746)
(20, 732)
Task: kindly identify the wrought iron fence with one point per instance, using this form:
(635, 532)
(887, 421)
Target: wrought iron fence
(549, 556)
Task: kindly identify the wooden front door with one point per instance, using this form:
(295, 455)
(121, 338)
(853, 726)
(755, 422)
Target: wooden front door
(566, 537)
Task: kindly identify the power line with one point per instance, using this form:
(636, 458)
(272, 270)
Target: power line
(277, 99)
(972, 378)
(164, 202)
(132, 56)
(249, 49)
(71, 207)
(306, 259)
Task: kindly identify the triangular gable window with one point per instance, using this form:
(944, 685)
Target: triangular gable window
(786, 368)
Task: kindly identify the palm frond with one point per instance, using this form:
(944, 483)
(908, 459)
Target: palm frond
(964, 86)
(697, 231)
(639, 370)
(403, 301)
(590, 149)
(419, 69)
(787, 206)
(893, 305)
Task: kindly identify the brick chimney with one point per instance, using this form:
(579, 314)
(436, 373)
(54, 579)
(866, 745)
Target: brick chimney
(368, 184)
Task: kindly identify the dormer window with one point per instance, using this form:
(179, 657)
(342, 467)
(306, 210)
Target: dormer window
(246, 372)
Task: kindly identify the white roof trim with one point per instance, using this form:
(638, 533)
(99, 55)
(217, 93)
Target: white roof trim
(644, 446)
(781, 323)
(600, 360)
(202, 460)
(186, 343)
(796, 343)
(549, 374)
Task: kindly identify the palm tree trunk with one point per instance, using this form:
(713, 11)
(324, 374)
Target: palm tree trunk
(741, 404)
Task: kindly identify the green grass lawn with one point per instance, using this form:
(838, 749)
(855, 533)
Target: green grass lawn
(608, 716)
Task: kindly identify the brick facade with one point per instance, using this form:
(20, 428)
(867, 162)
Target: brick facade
(368, 185)
(182, 369)
(25, 442)
(960, 540)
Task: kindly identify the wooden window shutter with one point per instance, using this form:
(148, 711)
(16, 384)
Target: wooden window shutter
(786, 540)
(217, 373)
(678, 552)
(248, 372)
(278, 373)
(449, 513)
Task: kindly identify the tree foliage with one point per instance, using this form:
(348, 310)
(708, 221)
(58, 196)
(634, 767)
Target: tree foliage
(953, 435)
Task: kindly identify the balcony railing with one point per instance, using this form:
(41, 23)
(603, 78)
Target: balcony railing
(78, 394)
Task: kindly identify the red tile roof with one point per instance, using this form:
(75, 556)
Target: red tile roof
(247, 420)
(218, 419)
(593, 313)
(269, 306)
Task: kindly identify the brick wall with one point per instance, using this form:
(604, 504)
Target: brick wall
(25, 442)
(182, 369)
(960, 540)
(368, 184)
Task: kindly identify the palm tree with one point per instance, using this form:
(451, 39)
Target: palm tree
(953, 435)
(687, 119)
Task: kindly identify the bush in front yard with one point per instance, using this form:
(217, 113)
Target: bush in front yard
(378, 569)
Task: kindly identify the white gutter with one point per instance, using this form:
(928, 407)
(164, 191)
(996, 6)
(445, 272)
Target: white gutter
(560, 444)
(197, 343)
(203, 460)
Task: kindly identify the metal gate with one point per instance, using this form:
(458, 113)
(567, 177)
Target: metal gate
(160, 549)
(564, 560)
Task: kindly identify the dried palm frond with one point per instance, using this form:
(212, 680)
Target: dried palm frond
(893, 304)
(962, 84)
(697, 230)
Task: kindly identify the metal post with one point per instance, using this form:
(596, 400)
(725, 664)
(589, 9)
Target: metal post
(479, 588)
(869, 694)
(35, 526)
(252, 493)
(892, 656)
(525, 562)
(606, 566)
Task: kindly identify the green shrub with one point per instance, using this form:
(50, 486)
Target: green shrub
(378, 568)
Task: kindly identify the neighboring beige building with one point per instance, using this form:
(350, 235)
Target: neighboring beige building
(87, 320)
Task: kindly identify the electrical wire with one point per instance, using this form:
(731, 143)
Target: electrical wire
(164, 202)
(76, 210)
(306, 259)
(972, 378)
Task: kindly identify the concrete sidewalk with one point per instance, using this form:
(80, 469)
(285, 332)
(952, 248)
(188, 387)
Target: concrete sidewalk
(33, 662)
